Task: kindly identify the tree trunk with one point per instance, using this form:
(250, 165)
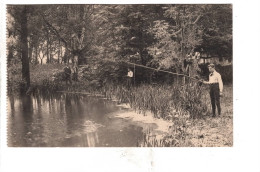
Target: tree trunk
(30, 52)
(50, 52)
(182, 53)
(24, 45)
(58, 57)
(142, 57)
(47, 45)
(47, 52)
(36, 55)
(11, 96)
(10, 54)
(66, 56)
(79, 59)
(59, 52)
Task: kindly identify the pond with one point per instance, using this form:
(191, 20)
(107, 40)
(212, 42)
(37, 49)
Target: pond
(71, 120)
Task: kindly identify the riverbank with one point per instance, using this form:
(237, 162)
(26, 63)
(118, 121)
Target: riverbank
(185, 107)
(183, 131)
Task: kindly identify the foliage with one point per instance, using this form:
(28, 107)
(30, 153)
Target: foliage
(154, 35)
(135, 22)
(189, 29)
(165, 51)
(217, 31)
(185, 29)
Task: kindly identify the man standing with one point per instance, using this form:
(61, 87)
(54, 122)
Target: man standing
(216, 88)
(67, 74)
(75, 73)
(129, 77)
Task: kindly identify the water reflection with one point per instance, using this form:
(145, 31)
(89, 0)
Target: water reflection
(71, 120)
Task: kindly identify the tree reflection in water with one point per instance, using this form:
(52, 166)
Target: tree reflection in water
(57, 120)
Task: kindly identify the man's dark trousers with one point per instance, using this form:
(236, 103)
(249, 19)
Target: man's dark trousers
(129, 82)
(215, 98)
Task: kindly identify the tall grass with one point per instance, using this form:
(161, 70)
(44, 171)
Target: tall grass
(162, 100)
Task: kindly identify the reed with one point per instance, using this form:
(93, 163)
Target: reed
(162, 100)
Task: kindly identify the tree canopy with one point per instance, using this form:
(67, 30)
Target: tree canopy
(158, 35)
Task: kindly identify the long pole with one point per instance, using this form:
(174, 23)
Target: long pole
(178, 74)
(134, 74)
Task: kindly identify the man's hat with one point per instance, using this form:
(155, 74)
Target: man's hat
(211, 65)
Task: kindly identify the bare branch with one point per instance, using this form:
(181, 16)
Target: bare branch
(177, 32)
(193, 23)
(197, 19)
(54, 30)
(85, 47)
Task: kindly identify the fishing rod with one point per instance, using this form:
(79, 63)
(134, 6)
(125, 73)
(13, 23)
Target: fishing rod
(139, 65)
(173, 73)
(161, 70)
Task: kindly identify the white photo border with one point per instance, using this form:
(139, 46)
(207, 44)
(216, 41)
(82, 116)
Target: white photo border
(243, 156)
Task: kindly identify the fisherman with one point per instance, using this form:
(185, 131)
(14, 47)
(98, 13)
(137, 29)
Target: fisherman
(75, 73)
(129, 78)
(216, 88)
(67, 74)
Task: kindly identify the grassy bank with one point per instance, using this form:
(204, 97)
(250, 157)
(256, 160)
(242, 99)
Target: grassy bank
(202, 132)
(186, 106)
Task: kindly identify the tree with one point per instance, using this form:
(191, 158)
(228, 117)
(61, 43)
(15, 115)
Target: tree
(72, 25)
(13, 43)
(20, 27)
(24, 43)
(217, 31)
(185, 26)
(136, 20)
(192, 28)
(165, 51)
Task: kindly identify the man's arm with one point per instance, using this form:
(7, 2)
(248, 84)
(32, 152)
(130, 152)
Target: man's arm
(220, 84)
(205, 82)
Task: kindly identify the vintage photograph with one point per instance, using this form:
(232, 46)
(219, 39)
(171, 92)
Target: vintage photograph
(132, 75)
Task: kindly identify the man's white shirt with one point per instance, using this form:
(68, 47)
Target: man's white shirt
(215, 77)
(130, 74)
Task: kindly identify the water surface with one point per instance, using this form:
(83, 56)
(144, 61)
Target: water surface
(69, 120)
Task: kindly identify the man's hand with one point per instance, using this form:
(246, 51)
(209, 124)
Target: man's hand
(220, 94)
(204, 82)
